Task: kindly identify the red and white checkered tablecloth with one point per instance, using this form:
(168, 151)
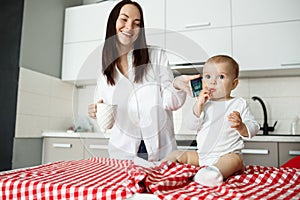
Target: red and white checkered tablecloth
(104, 178)
(82, 179)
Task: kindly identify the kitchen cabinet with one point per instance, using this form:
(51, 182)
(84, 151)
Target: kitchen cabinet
(288, 150)
(267, 46)
(95, 147)
(268, 39)
(87, 22)
(56, 149)
(84, 35)
(260, 153)
(197, 45)
(245, 12)
(269, 153)
(196, 14)
(196, 33)
(81, 61)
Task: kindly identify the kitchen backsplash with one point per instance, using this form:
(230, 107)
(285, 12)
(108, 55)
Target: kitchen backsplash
(47, 103)
(44, 103)
(280, 94)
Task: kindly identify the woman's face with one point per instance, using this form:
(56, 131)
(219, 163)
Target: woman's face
(128, 25)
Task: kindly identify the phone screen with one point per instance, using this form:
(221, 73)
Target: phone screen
(196, 85)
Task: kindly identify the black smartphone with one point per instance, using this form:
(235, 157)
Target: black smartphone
(196, 85)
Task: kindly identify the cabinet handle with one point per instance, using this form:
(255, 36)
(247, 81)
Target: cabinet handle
(294, 152)
(98, 146)
(197, 25)
(187, 147)
(255, 151)
(60, 145)
(290, 64)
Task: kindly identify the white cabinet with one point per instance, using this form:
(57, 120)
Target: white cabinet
(87, 22)
(200, 30)
(266, 34)
(264, 11)
(267, 46)
(197, 45)
(85, 29)
(56, 149)
(195, 14)
(154, 15)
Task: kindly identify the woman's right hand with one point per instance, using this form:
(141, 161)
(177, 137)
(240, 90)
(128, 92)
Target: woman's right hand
(92, 109)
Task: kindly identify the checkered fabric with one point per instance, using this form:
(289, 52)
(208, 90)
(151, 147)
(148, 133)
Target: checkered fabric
(104, 178)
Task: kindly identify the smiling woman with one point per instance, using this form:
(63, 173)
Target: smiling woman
(136, 77)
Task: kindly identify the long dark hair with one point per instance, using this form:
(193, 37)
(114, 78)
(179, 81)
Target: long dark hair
(110, 54)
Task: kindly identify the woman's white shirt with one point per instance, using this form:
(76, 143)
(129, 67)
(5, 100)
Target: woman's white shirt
(144, 109)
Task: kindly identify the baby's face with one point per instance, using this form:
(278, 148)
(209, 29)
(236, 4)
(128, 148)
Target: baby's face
(219, 79)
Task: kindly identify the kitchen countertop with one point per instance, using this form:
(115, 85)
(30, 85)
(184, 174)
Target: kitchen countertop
(259, 138)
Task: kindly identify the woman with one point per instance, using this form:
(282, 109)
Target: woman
(137, 79)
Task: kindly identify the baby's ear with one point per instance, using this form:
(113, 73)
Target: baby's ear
(235, 83)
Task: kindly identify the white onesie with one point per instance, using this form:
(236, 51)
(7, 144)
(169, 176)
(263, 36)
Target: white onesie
(215, 137)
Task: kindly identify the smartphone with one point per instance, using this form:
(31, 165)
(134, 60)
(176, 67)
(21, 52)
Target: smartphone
(196, 85)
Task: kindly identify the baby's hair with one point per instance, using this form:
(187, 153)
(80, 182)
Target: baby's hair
(225, 59)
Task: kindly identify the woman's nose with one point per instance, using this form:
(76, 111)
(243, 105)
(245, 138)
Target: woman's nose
(129, 25)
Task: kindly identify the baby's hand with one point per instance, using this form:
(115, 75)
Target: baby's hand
(237, 123)
(235, 119)
(204, 95)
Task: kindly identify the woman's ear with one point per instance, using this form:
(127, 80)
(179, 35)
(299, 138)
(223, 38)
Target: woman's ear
(235, 83)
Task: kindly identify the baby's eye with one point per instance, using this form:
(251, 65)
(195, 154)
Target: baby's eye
(221, 77)
(207, 76)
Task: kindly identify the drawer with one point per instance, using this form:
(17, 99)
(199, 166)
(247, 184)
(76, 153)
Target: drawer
(288, 150)
(56, 149)
(260, 153)
(96, 148)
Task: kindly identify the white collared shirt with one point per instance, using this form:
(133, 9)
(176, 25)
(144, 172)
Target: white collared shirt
(144, 109)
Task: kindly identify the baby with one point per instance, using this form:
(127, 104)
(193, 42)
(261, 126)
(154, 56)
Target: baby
(221, 122)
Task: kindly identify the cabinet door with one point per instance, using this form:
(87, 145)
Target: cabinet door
(288, 150)
(197, 45)
(154, 15)
(264, 11)
(260, 153)
(96, 148)
(268, 46)
(193, 14)
(82, 61)
(87, 22)
(56, 149)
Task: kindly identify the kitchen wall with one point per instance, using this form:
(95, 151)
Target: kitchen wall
(44, 103)
(280, 94)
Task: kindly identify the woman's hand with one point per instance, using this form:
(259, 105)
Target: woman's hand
(92, 109)
(183, 83)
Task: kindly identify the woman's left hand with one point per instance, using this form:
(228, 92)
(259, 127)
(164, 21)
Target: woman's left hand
(183, 83)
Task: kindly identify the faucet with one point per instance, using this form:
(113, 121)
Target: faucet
(265, 128)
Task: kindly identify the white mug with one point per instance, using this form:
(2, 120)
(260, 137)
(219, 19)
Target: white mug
(106, 114)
